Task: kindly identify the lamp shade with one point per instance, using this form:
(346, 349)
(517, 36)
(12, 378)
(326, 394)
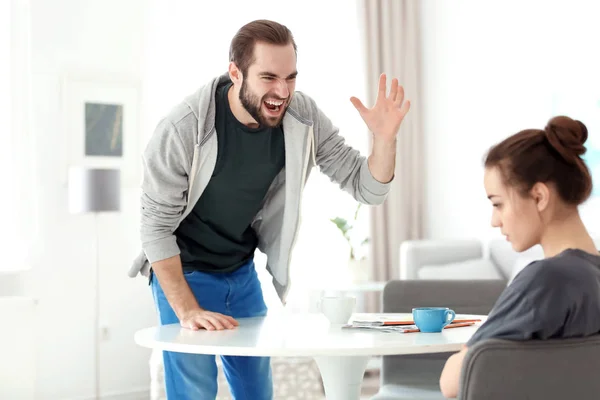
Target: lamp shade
(94, 190)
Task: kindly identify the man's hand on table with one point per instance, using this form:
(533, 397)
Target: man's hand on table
(202, 319)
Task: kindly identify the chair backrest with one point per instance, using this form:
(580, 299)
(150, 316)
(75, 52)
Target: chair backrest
(555, 369)
(464, 297)
(502, 254)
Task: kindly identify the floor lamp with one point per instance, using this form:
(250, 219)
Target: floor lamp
(95, 190)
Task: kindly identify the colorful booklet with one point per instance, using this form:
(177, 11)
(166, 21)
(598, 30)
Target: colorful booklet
(383, 321)
(384, 324)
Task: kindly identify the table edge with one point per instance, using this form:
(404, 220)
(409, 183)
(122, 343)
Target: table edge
(308, 352)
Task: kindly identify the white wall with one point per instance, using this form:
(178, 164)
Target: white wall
(92, 36)
(492, 69)
(17, 365)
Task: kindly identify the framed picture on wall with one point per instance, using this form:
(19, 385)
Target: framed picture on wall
(101, 124)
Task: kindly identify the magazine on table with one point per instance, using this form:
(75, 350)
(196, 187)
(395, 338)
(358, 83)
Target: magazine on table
(402, 325)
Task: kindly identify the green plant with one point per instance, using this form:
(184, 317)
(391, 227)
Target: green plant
(346, 228)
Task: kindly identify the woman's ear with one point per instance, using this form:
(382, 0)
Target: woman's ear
(540, 192)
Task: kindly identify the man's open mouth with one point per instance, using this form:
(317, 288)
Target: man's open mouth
(273, 106)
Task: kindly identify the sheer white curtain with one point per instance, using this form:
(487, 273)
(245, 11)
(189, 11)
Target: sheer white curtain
(392, 46)
(17, 166)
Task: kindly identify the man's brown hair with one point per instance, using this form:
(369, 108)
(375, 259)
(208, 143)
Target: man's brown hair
(241, 51)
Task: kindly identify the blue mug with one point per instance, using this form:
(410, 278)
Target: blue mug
(432, 319)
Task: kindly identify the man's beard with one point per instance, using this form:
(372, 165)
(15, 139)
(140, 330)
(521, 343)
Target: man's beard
(253, 105)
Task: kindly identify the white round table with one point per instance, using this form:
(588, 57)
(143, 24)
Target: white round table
(341, 354)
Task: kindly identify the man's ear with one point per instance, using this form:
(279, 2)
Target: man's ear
(540, 192)
(235, 74)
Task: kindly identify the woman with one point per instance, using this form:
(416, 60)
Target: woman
(535, 180)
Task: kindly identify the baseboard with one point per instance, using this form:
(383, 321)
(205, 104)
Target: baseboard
(135, 394)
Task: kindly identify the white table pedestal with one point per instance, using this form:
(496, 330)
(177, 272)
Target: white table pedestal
(342, 375)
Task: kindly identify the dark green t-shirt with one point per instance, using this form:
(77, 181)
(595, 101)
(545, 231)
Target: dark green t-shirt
(216, 236)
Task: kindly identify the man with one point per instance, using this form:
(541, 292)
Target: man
(215, 189)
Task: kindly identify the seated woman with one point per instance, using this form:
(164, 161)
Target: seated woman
(535, 180)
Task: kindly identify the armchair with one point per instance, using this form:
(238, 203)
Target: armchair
(555, 369)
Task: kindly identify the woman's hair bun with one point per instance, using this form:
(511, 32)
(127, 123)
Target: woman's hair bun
(567, 136)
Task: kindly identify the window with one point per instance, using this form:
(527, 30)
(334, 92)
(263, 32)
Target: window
(16, 166)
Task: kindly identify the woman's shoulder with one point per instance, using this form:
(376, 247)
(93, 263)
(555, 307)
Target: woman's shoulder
(571, 265)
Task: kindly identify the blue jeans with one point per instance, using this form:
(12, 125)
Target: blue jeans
(194, 376)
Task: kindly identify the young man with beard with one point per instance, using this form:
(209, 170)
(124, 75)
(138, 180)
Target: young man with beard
(223, 176)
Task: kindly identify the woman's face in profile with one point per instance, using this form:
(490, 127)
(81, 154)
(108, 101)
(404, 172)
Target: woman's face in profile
(515, 215)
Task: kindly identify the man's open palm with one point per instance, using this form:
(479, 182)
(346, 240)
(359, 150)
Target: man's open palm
(385, 117)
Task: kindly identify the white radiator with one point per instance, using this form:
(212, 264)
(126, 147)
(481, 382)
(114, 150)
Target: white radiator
(17, 348)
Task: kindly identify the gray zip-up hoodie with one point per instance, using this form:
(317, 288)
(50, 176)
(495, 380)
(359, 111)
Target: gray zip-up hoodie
(180, 158)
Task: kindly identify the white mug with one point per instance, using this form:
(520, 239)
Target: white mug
(337, 309)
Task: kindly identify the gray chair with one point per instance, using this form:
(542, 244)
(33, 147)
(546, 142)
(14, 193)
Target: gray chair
(555, 369)
(417, 376)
